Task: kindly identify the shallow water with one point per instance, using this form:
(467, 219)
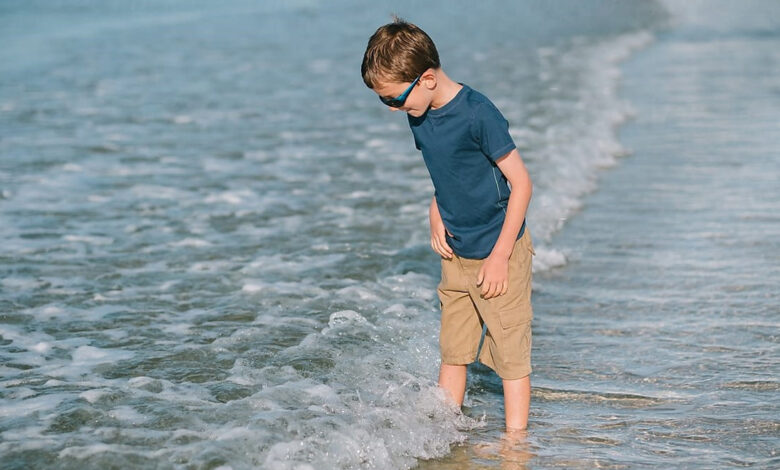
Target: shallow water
(215, 242)
(657, 345)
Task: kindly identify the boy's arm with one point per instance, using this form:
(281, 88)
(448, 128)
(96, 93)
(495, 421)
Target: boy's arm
(512, 166)
(438, 240)
(493, 275)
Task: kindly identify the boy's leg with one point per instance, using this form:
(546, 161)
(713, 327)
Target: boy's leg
(452, 378)
(461, 328)
(517, 401)
(507, 347)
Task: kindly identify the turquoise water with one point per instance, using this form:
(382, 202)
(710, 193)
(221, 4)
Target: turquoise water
(215, 238)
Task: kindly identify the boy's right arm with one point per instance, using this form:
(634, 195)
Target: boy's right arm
(438, 240)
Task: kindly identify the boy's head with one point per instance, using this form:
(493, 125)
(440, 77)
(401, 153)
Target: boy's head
(399, 59)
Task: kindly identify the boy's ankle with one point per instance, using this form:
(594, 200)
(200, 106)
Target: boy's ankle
(516, 434)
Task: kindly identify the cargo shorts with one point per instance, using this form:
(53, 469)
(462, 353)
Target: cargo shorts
(507, 345)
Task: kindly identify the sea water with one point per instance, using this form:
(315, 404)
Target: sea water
(656, 345)
(215, 246)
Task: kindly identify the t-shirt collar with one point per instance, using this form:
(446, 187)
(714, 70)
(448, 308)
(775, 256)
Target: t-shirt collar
(450, 104)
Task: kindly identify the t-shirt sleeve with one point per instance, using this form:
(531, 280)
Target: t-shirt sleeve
(491, 131)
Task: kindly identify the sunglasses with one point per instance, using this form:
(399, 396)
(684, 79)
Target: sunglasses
(400, 100)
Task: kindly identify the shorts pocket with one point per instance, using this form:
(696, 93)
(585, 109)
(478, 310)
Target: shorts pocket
(515, 316)
(517, 344)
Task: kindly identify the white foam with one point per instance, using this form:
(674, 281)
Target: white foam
(41, 347)
(85, 452)
(128, 414)
(182, 119)
(19, 439)
(148, 191)
(573, 131)
(257, 286)
(89, 355)
(345, 316)
(30, 341)
(232, 197)
(191, 242)
(89, 239)
(269, 265)
(20, 283)
(358, 292)
(93, 396)
(48, 312)
(97, 198)
(18, 408)
(548, 258)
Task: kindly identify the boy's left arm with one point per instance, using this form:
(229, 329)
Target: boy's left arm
(494, 273)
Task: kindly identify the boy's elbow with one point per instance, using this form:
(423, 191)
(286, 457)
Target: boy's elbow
(527, 184)
(529, 189)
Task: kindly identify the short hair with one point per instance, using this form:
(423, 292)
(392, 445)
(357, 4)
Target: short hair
(398, 52)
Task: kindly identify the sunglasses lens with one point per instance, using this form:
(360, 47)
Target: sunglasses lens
(398, 102)
(392, 102)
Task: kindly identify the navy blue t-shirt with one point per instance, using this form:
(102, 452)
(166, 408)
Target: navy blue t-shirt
(460, 143)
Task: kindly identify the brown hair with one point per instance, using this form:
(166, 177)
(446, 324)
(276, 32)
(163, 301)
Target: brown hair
(398, 52)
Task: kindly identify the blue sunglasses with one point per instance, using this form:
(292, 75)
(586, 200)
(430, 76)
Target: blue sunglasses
(400, 100)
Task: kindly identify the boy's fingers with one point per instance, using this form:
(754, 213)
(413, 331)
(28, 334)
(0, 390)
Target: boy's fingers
(496, 289)
(440, 248)
(506, 288)
(493, 289)
(445, 246)
(435, 248)
(486, 289)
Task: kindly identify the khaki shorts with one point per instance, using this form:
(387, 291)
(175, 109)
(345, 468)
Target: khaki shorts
(507, 346)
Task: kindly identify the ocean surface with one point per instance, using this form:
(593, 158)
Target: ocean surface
(215, 241)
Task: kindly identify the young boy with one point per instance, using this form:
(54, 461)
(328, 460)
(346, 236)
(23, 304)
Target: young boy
(477, 224)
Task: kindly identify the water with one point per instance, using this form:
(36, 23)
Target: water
(215, 239)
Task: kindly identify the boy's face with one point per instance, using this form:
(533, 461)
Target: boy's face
(417, 101)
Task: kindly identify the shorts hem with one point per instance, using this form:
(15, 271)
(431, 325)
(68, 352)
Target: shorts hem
(515, 376)
(524, 372)
(459, 360)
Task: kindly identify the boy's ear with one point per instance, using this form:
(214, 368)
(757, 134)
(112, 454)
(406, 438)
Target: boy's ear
(429, 78)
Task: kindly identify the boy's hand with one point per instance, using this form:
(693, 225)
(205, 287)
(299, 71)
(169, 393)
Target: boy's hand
(438, 241)
(494, 276)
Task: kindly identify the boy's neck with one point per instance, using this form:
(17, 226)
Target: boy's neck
(446, 89)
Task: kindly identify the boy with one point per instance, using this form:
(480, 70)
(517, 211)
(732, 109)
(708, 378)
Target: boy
(477, 224)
